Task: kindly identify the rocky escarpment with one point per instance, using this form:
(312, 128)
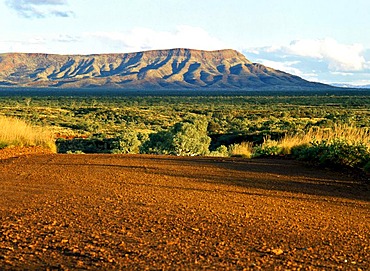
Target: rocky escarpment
(175, 68)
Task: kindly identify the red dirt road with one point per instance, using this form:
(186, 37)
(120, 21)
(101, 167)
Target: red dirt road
(114, 212)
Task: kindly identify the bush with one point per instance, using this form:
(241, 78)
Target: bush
(341, 145)
(187, 138)
(268, 148)
(3, 145)
(262, 151)
(128, 142)
(158, 143)
(367, 167)
(337, 152)
(221, 151)
(191, 139)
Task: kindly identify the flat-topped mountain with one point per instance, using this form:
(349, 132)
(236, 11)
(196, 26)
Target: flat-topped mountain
(175, 68)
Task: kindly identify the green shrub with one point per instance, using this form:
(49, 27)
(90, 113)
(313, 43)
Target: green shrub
(221, 151)
(191, 139)
(3, 145)
(187, 138)
(367, 167)
(262, 151)
(158, 143)
(337, 152)
(127, 142)
(304, 152)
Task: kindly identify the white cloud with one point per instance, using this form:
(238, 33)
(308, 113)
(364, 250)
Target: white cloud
(139, 39)
(342, 73)
(41, 43)
(31, 45)
(367, 65)
(323, 60)
(288, 66)
(40, 8)
(340, 57)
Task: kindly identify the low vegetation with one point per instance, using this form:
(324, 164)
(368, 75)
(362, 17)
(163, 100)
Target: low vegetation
(341, 145)
(244, 149)
(325, 129)
(15, 132)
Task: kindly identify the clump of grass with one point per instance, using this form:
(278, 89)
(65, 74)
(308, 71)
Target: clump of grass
(244, 149)
(342, 145)
(351, 134)
(15, 132)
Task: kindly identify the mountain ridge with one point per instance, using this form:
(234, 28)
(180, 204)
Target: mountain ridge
(172, 68)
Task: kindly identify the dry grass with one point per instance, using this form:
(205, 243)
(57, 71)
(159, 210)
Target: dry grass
(353, 135)
(15, 132)
(244, 149)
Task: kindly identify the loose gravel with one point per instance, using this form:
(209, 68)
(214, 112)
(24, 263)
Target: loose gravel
(141, 212)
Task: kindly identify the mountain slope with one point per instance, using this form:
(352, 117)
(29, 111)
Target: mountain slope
(175, 68)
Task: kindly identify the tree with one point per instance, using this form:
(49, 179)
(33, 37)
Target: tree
(158, 143)
(188, 138)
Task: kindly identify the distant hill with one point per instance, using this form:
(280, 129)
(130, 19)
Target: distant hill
(172, 69)
(351, 86)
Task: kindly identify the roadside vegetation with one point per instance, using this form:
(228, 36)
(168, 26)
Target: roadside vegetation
(16, 132)
(327, 129)
(338, 146)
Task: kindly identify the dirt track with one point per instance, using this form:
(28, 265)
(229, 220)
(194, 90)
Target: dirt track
(107, 212)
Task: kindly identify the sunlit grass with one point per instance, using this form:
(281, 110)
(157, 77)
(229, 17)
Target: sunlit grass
(244, 149)
(15, 132)
(351, 134)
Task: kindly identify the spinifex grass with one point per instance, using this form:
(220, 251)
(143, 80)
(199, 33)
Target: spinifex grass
(15, 132)
(244, 149)
(351, 134)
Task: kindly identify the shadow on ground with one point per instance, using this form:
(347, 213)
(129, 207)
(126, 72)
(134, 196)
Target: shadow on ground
(265, 174)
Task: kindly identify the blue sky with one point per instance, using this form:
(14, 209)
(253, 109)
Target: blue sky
(319, 40)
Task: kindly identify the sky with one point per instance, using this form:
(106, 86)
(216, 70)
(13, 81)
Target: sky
(319, 40)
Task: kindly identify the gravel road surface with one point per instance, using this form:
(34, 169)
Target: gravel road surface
(137, 212)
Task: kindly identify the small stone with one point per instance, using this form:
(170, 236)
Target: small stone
(277, 251)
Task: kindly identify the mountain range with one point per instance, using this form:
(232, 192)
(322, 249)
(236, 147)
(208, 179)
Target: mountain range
(158, 69)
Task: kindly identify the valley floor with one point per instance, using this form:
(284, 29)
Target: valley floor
(137, 212)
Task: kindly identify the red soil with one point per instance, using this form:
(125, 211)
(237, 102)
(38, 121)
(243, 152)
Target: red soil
(114, 212)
